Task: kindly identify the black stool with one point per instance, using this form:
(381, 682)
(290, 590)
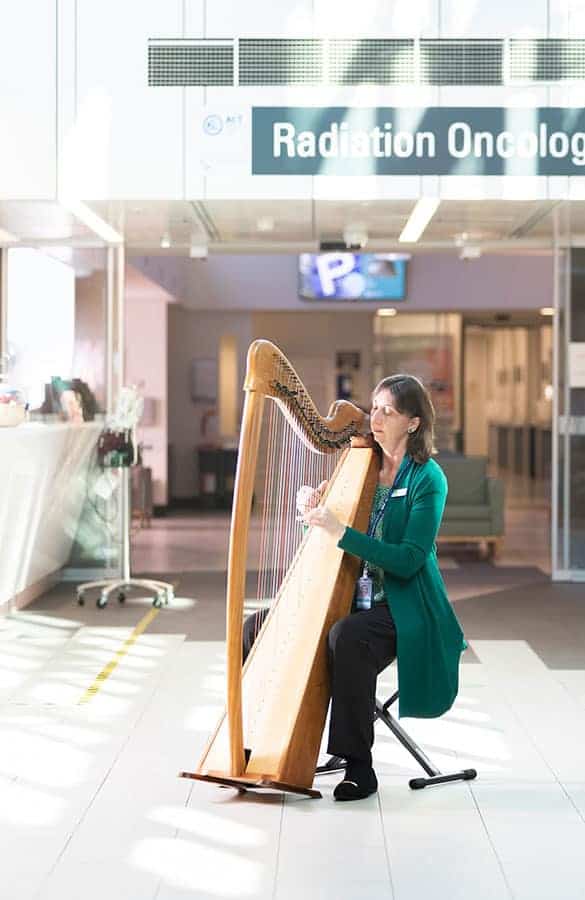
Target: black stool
(337, 763)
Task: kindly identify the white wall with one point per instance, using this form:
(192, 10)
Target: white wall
(28, 75)
(138, 130)
(318, 337)
(73, 80)
(40, 320)
(435, 281)
(90, 333)
(196, 335)
(146, 367)
(475, 392)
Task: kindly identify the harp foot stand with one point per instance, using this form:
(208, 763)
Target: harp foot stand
(337, 763)
(252, 782)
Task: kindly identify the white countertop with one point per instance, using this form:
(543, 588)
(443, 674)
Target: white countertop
(43, 472)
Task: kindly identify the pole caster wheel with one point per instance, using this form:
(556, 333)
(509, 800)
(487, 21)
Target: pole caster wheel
(121, 597)
(101, 602)
(80, 600)
(158, 601)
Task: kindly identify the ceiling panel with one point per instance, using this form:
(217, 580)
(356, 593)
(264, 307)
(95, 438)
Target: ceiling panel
(382, 219)
(253, 220)
(251, 225)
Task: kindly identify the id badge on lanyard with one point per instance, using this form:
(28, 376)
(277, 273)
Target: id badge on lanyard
(364, 589)
(364, 592)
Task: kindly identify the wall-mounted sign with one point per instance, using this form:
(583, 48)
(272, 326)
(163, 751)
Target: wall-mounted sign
(425, 141)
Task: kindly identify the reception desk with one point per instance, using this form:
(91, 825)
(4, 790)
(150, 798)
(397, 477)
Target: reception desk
(43, 485)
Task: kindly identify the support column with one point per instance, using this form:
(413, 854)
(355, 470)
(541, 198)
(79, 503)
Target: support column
(115, 324)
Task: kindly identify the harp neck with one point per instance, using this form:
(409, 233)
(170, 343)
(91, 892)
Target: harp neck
(270, 373)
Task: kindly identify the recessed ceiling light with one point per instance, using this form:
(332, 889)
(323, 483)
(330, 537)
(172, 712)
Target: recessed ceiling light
(422, 213)
(198, 251)
(469, 251)
(387, 311)
(547, 311)
(265, 223)
(165, 242)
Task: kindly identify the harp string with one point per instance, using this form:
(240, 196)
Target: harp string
(262, 590)
(286, 463)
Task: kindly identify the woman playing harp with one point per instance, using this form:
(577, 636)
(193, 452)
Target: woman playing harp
(400, 604)
(276, 706)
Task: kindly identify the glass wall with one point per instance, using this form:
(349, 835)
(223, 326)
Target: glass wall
(57, 319)
(568, 512)
(56, 331)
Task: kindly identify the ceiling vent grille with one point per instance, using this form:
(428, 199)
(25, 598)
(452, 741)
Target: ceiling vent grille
(461, 62)
(281, 61)
(546, 59)
(190, 64)
(340, 61)
(371, 61)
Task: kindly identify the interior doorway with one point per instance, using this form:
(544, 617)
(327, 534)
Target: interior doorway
(507, 418)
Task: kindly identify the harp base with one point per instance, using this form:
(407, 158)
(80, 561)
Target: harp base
(244, 782)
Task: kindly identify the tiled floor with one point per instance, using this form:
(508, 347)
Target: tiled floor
(91, 806)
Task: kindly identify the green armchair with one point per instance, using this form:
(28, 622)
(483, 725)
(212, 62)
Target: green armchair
(474, 512)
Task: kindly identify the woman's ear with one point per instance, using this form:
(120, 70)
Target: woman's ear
(414, 424)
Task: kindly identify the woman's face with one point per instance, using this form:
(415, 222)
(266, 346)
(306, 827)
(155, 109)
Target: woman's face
(389, 426)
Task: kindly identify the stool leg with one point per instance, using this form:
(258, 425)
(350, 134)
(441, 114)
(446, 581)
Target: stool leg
(405, 739)
(435, 775)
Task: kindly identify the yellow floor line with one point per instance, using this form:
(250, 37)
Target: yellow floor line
(119, 655)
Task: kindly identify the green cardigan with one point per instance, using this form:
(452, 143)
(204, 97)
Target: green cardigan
(429, 637)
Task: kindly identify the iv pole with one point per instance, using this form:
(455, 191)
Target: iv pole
(163, 591)
(115, 356)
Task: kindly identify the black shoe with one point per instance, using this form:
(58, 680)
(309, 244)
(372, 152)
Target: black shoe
(360, 781)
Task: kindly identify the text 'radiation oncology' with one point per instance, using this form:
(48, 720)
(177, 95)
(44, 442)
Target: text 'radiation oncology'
(342, 141)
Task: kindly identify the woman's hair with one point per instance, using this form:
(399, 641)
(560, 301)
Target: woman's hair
(411, 398)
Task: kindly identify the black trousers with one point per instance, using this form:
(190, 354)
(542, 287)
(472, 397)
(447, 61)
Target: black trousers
(359, 647)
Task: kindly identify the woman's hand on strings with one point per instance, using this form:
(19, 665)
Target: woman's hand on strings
(309, 497)
(322, 517)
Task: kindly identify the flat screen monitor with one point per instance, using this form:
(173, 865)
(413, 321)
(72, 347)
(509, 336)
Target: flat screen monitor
(352, 276)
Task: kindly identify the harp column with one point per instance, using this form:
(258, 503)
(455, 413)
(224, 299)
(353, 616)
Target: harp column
(236, 582)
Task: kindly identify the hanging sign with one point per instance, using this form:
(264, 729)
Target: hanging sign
(425, 141)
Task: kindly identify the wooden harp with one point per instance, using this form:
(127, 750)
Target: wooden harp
(270, 734)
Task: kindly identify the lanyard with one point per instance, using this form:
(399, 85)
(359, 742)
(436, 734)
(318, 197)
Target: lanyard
(399, 477)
